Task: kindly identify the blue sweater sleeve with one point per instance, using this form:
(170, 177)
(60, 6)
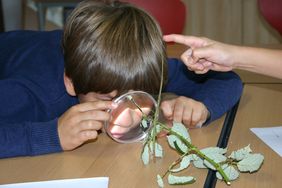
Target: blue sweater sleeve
(32, 93)
(25, 128)
(219, 91)
(28, 138)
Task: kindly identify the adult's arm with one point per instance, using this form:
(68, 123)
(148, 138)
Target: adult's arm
(205, 54)
(258, 60)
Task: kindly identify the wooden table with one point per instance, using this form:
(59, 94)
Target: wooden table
(260, 106)
(120, 162)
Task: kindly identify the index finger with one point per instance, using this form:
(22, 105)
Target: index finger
(186, 40)
(97, 105)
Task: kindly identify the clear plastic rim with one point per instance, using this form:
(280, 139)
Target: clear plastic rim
(142, 136)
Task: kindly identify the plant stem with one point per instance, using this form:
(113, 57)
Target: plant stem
(198, 152)
(156, 114)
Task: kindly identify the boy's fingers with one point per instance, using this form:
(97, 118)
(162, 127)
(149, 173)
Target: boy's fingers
(87, 135)
(90, 125)
(94, 115)
(166, 107)
(187, 116)
(178, 112)
(97, 105)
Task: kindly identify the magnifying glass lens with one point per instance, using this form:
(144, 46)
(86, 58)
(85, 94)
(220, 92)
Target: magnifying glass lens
(131, 119)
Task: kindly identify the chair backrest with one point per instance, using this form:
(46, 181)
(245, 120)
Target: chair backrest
(171, 14)
(272, 12)
(1, 18)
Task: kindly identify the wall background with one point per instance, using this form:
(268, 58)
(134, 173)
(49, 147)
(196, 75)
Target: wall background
(231, 21)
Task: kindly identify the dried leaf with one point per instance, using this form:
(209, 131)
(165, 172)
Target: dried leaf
(185, 162)
(180, 180)
(173, 140)
(177, 148)
(214, 153)
(160, 181)
(212, 150)
(241, 153)
(158, 150)
(230, 172)
(181, 130)
(145, 156)
(144, 123)
(251, 163)
(158, 129)
(199, 163)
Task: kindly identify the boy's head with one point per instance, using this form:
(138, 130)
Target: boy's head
(110, 45)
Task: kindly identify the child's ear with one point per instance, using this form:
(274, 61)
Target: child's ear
(69, 85)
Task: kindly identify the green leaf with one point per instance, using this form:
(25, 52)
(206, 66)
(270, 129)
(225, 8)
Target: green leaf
(214, 153)
(185, 162)
(193, 157)
(158, 150)
(213, 150)
(160, 181)
(230, 172)
(158, 129)
(144, 123)
(218, 158)
(199, 163)
(218, 175)
(180, 180)
(241, 153)
(181, 130)
(145, 156)
(251, 163)
(177, 148)
(173, 140)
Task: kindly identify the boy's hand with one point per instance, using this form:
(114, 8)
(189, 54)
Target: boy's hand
(81, 123)
(185, 110)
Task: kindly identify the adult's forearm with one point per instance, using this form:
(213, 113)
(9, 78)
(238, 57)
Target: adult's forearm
(259, 60)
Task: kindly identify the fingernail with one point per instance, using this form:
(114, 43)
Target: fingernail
(200, 124)
(114, 105)
(189, 52)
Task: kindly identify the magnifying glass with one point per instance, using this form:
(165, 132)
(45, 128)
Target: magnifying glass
(130, 120)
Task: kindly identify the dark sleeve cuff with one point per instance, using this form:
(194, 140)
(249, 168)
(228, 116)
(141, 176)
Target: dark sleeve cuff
(44, 138)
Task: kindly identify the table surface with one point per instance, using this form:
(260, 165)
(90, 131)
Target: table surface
(104, 157)
(260, 106)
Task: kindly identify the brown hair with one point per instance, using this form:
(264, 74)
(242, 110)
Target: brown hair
(111, 45)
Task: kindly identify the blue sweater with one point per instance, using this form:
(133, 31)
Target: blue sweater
(33, 95)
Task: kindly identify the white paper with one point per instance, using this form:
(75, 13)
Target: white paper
(99, 182)
(272, 136)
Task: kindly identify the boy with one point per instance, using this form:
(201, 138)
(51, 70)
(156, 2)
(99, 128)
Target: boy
(56, 98)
